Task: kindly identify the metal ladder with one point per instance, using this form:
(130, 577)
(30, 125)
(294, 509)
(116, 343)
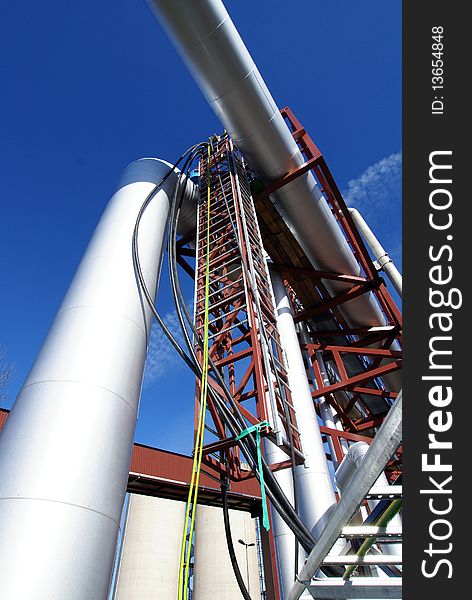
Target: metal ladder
(241, 304)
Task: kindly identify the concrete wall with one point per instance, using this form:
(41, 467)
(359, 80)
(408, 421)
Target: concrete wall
(149, 561)
(151, 549)
(214, 577)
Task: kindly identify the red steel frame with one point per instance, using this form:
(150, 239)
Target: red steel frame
(374, 362)
(235, 324)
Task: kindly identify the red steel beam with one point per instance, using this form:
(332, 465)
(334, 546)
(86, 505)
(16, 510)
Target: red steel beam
(351, 382)
(342, 298)
(385, 353)
(315, 274)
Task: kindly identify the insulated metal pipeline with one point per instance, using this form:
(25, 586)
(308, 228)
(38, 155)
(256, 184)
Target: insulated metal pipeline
(66, 447)
(381, 255)
(316, 494)
(313, 481)
(211, 47)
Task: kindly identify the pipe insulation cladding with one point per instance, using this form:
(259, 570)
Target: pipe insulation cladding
(315, 491)
(385, 263)
(66, 447)
(211, 47)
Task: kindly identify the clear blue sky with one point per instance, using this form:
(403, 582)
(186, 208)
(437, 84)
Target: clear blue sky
(88, 87)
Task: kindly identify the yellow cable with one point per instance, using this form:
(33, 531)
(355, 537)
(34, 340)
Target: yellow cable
(185, 549)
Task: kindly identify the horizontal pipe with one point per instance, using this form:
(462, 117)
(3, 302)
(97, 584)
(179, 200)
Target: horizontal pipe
(211, 47)
(382, 257)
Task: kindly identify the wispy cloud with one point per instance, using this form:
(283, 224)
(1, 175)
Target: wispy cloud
(378, 187)
(162, 359)
(377, 194)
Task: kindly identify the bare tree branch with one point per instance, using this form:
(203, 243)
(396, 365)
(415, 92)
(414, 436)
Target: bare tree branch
(7, 371)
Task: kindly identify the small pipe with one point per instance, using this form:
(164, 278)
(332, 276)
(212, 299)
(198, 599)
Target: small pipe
(382, 257)
(327, 412)
(314, 486)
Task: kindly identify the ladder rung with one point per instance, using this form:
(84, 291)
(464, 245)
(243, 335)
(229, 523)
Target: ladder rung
(369, 559)
(284, 420)
(223, 238)
(228, 329)
(358, 587)
(214, 232)
(225, 287)
(222, 316)
(215, 279)
(228, 300)
(365, 531)
(218, 267)
(384, 492)
(229, 256)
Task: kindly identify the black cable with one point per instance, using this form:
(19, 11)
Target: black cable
(229, 540)
(281, 388)
(171, 254)
(248, 446)
(137, 263)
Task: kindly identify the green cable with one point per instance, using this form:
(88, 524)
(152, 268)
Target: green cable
(257, 428)
(393, 509)
(191, 507)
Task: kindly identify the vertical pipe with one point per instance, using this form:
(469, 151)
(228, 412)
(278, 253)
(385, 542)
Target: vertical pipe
(283, 537)
(119, 547)
(327, 412)
(314, 482)
(327, 417)
(66, 448)
(314, 486)
(381, 255)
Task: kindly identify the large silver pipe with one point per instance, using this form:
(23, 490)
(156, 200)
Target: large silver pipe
(211, 47)
(315, 489)
(66, 447)
(313, 481)
(381, 255)
(284, 539)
